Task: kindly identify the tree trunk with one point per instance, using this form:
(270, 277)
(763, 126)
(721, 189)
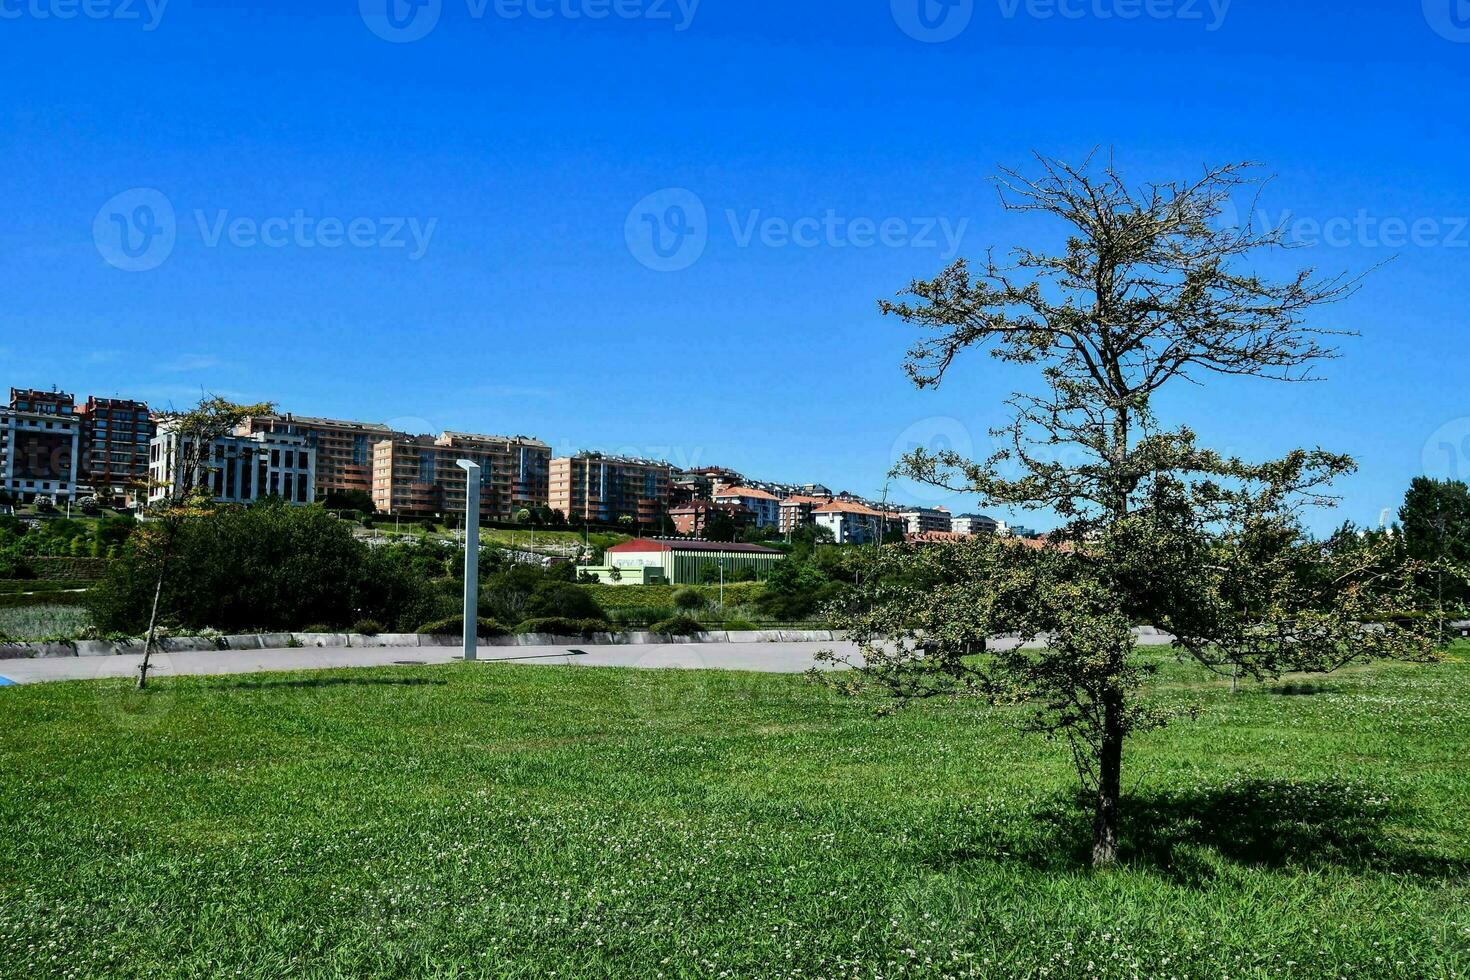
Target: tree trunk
(152, 628)
(168, 543)
(1109, 785)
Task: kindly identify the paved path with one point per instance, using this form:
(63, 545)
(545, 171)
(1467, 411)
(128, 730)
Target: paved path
(781, 658)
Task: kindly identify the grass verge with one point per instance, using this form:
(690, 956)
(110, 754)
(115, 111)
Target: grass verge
(496, 820)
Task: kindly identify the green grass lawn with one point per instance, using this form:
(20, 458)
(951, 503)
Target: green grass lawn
(483, 820)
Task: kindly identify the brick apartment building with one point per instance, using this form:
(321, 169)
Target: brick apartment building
(344, 450)
(605, 489)
(420, 475)
(690, 519)
(115, 437)
(799, 510)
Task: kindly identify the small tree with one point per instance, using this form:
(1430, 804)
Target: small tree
(1146, 292)
(183, 491)
(719, 526)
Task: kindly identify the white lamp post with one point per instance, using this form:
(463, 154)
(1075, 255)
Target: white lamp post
(471, 557)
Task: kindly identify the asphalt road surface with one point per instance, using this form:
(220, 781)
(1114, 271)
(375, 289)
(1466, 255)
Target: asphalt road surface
(780, 658)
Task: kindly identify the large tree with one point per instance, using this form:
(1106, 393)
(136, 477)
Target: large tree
(1149, 291)
(1436, 525)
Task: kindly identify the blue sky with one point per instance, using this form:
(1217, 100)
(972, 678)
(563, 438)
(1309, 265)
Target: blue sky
(444, 232)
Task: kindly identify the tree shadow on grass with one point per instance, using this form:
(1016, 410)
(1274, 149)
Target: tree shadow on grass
(327, 682)
(1188, 834)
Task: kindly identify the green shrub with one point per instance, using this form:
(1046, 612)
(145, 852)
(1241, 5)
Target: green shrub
(563, 600)
(558, 626)
(454, 626)
(740, 625)
(367, 627)
(318, 628)
(677, 626)
(687, 600)
(641, 615)
(266, 567)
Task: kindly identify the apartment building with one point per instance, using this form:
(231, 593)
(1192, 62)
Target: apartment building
(420, 475)
(40, 445)
(973, 524)
(691, 518)
(700, 483)
(238, 469)
(344, 450)
(606, 489)
(116, 433)
(926, 520)
(852, 522)
(799, 510)
(765, 505)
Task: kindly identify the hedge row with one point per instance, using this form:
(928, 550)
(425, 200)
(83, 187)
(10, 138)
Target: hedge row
(11, 586)
(66, 568)
(635, 596)
(13, 601)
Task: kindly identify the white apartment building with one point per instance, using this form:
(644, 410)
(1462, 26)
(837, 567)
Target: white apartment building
(240, 469)
(854, 523)
(765, 505)
(973, 524)
(923, 520)
(40, 453)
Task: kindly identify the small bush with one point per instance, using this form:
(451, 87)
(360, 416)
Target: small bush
(318, 628)
(559, 626)
(367, 627)
(641, 615)
(687, 600)
(677, 626)
(740, 625)
(454, 626)
(562, 600)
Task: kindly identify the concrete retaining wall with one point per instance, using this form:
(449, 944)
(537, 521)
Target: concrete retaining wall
(338, 641)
